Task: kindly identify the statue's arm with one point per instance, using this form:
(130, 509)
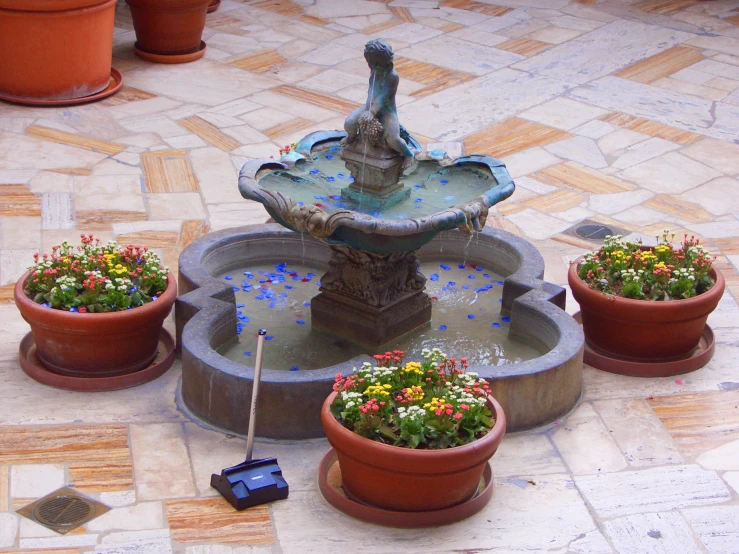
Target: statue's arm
(385, 95)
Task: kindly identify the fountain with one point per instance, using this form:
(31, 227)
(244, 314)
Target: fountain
(366, 203)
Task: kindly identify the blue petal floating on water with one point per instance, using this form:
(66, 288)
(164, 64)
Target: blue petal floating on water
(442, 327)
(306, 303)
(259, 297)
(501, 283)
(294, 368)
(300, 203)
(313, 171)
(228, 278)
(331, 180)
(479, 290)
(444, 181)
(416, 186)
(471, 316)
(486, 275)
(445, 267)
(329, 157)
(334, 149)
(460, 266)
(262, 280)
(288, 287)
(235, 288)
(451, 283)
(271, 304)
(478, 269)
(470, 276)
(296, 278)
(247, 353)
(283, 295)
(505, 319)
(488, 286)
(239, 305)
(351, 179)
(419, 199)
(434, 276)
(268, 337)
(340, 175)
(496, 324)
(465, 287)
(500, 300)
(249, 274)
(300, 322)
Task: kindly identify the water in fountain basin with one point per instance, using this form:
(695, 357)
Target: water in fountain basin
(466, 318)
(433, 188)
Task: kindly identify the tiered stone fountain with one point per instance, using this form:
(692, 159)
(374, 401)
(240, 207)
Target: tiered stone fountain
(365, 202)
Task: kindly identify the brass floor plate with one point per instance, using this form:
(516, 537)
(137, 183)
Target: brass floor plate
(63, 510)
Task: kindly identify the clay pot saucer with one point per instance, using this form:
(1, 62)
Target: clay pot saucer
(33, 367)
(116, 82)
(699, 357)
(329, 483)
(214, 6)
(171, 58)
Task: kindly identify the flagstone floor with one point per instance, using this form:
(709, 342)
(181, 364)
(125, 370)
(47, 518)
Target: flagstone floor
(621, 112)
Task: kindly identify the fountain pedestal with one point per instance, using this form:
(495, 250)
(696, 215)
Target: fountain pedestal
(371, 299)
(376, 173)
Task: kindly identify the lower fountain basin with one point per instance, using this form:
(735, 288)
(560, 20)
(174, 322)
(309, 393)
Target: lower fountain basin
(217, 390)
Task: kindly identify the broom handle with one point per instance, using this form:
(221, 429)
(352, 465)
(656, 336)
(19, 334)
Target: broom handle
(254, 394)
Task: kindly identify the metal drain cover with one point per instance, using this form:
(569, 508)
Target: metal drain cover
(593, 230)
(63, 510)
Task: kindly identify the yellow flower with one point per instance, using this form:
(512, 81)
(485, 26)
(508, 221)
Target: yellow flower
(413, 367)
(378, 391)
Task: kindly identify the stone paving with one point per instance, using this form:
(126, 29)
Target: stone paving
(623, 113)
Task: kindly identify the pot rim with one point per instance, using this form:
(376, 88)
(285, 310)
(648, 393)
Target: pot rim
(53, 5)
(579, 286)
(37, 311)
(466, 452)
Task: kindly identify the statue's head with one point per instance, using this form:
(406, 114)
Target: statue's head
(378, 53)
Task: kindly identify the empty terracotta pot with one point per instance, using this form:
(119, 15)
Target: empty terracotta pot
(407, 479)
(96, 344)
(55, 49)
(168, 27)
(643, 330)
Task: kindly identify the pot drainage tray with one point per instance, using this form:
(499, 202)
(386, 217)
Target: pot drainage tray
(700, 356)
(170, 58)
(115, 84)
(329, 483)
(33, 367)
(63, 510)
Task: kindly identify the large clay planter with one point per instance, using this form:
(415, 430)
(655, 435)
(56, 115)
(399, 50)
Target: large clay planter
(92, 344)
(643, 330)
(406, 479)
(168, 27)
(55, 49)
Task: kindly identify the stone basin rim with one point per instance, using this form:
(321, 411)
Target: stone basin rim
(467, 215)
(206, 319)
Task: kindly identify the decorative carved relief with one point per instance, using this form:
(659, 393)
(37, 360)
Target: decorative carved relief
(375, 279)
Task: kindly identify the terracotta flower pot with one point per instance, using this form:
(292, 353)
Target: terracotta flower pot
(168, 27)
(214, 5)
(55, 49)
(96, 344)
(406, 479)
(643, 330)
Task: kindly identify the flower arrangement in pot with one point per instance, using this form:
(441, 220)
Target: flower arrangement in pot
(646, 304)
(96, 310)
(414, 436)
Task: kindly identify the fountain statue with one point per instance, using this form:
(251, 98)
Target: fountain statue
(364, 205)
(355, 189)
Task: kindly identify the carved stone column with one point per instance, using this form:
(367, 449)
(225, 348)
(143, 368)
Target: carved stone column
(371, 299)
